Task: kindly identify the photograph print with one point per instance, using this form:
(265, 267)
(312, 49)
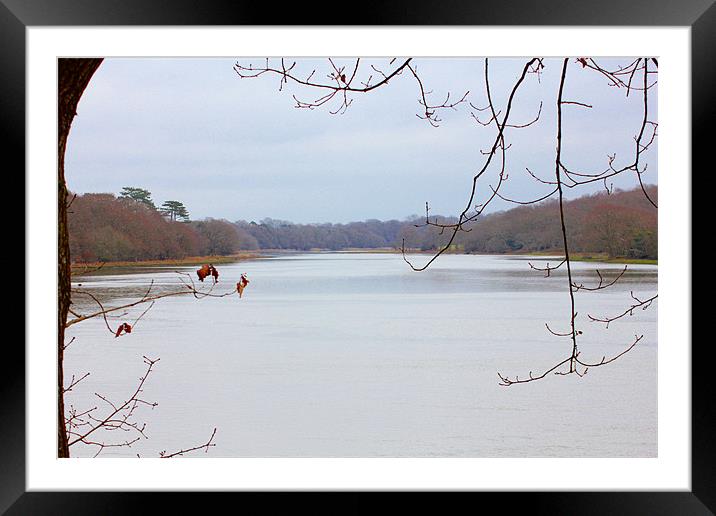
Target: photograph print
(358, 257)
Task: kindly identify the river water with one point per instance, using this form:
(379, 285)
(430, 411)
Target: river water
(356, 355)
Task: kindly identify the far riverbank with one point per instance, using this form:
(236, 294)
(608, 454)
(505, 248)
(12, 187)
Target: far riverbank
(188, 261)
(577, 257)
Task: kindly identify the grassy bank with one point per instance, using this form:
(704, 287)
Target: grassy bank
(604, 258)
(78, 268)
(577, 257)
(595, 257)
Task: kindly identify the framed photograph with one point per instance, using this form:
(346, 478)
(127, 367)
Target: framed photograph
(416, 252)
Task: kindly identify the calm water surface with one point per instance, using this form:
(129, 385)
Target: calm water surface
(355, 355)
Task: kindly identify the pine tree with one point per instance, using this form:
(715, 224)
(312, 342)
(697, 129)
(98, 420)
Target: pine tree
(138, 194)
(175, 210)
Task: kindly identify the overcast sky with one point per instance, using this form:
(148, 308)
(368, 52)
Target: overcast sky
(192, 130)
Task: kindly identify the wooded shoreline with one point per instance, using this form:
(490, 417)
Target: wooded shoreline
(125, 232)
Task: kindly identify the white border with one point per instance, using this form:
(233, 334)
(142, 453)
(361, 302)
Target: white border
(671, 470)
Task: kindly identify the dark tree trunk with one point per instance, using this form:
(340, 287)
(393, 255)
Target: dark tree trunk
(73, 75)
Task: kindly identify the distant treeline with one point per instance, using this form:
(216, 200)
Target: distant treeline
(621, 224)
(279, 234)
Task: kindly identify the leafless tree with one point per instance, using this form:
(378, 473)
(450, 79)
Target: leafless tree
(85, 426)
(341, 84)
(73, 77)
(93, 426)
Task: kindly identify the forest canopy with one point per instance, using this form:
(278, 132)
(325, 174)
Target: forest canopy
(107, 228)
(103, 227)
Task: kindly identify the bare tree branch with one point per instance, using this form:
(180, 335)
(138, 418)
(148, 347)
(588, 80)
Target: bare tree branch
(205, 447)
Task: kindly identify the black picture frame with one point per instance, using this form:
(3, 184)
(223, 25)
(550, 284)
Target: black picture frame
(17, 15)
